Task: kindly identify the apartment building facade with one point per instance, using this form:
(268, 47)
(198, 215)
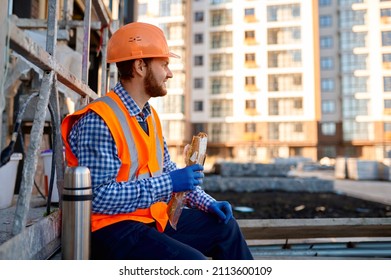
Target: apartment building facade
(277, 78)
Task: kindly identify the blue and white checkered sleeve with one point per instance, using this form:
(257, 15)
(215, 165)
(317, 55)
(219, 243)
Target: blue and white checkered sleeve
(199, 199)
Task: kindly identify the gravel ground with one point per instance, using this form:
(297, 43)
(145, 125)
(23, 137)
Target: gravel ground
(296, 205)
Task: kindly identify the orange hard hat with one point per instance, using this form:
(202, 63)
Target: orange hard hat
(137, 40)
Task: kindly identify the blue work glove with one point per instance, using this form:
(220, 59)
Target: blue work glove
(186, 179)
(222, 209)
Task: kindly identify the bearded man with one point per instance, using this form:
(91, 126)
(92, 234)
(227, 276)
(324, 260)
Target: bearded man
(119, 138)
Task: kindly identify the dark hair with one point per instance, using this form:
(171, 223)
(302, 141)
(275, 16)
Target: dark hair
(125, 68)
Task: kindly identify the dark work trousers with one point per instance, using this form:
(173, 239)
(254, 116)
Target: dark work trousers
(199, 235)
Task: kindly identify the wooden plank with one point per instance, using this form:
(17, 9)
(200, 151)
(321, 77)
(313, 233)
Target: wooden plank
(315, 228)
(34, 53)
(38, 241)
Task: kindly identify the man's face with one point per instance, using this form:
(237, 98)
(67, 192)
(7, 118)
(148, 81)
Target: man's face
(156, 78)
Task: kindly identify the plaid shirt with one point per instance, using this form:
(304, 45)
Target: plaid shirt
(92, 143)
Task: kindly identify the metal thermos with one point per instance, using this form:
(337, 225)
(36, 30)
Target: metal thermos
(76, 214)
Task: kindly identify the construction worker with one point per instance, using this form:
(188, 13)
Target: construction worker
(119, 138)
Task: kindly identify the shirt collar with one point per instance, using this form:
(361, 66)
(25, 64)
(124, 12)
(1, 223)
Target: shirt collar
(129, 102)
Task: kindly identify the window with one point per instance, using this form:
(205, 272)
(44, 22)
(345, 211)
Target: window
(198, 38)
(326, 42)
(385, 12)
(220, 62)
(168, 8)
(297, 103)
(199, 16)
(249, 57)
(286, 132)
(250, 107)
(174, 31)
(328, 151)
(281, 13)
(173, 104)
(284, 35)
(386, 57)
(198, 106)
(249, 60)
(325, 21)
(285, 106)
(220, 17)
(249, 12)
(323, 3)
(327, 84)
(326, 63)
(351, 107)
(250, 104)
(249, 35)
(198, 60)
(350, 2)
(198, 83)
(220, 39)
(221, 85)
(353, 62)
(142, 9)
(250, 127)
(350, 40)
(328, 128)
(352, 84)
(348, 18)
(280, 59)
(387, 106)
(387, 83)
(328, 106)
(386, 38)
(285, 82)
(250, 81)
(221, 108)
(298, 127)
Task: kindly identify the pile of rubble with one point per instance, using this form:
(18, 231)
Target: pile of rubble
(249, 177)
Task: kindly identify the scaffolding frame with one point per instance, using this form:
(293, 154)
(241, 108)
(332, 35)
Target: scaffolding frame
(18, 41)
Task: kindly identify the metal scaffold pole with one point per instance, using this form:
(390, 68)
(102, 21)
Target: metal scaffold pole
(86, 47)
(47, 88)
(53, 75)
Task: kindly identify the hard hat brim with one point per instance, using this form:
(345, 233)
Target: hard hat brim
(170, 54)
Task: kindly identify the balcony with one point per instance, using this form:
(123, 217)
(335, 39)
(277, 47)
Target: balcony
(250, 64)
(387, 65)
(251, 87)
(250, 18)
(250, 41)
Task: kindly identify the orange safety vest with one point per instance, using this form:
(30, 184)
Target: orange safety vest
(141, 155)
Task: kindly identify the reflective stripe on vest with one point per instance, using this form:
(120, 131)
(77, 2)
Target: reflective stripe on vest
(129, 138)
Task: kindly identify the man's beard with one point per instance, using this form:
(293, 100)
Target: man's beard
(151, 86)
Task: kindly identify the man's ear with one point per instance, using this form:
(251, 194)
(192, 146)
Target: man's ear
(139, 66)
